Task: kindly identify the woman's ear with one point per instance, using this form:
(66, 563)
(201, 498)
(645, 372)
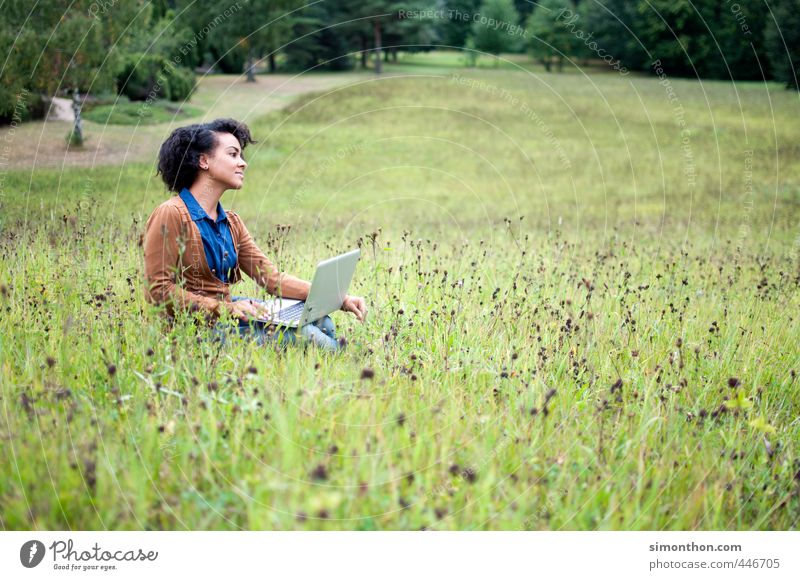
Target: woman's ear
(203, 162)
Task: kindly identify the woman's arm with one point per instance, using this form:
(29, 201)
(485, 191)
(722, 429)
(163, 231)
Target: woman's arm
(255, 264)
(161, 263)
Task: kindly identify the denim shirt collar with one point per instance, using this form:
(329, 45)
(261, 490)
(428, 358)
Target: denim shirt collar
(196, 210)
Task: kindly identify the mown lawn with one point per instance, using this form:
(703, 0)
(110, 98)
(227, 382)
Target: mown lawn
(583, 298)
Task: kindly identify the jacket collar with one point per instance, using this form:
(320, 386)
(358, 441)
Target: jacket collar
(196, 210)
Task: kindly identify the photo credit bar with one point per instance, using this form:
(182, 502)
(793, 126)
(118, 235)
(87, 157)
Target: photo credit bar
(402, 554)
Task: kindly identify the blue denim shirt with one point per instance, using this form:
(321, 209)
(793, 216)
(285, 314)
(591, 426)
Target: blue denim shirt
(217, 239)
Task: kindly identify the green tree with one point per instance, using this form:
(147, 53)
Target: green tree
(60, 47)
(321, 37)
(702, 38)
(454, 27)
(166, 34)
(783, 42)
(524, 9)
(365, 23)
(376, 17)
(410, 34)
(237, 34)
(614, 25)
(551, 32)
(496, 28)
(160, 55)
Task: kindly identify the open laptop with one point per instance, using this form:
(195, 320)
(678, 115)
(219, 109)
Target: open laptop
(328, 290)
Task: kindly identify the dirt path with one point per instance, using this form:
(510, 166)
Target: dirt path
(42, 143)
(60, 110)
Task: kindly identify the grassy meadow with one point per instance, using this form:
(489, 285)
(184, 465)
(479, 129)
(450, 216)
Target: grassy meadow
(583, 296)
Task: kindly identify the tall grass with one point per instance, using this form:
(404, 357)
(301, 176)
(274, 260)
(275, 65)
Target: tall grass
(576, 321)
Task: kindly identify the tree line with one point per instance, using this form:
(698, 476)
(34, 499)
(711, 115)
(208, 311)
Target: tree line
(153, 49)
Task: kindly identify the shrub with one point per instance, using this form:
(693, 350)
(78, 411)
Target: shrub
(21, 109)
(182, 83)
(152, 76)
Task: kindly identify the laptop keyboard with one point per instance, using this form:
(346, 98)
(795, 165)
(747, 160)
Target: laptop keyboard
(292, 313)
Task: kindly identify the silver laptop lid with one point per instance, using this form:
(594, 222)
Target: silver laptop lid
(329, 286)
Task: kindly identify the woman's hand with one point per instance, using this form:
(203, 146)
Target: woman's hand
(356, 305)
(247, 309)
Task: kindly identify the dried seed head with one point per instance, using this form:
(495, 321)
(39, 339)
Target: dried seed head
(469, 474)
(319, 473)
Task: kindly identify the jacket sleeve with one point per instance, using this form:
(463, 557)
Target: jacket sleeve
(255, 264)
(163, 239)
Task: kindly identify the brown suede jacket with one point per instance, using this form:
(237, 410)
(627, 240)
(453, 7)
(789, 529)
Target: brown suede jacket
(178, 276)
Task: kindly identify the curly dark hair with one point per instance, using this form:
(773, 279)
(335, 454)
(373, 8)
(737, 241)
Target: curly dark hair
(179, 157)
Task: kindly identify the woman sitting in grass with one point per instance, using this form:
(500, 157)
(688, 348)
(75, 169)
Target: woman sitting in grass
(194, 250)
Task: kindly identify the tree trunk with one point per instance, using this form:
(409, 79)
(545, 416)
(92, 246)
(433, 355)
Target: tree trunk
(272, 66)
(378, 47)
(251, 75)
(363, 52)
(77, 129)
(560, 64)
(394, 55)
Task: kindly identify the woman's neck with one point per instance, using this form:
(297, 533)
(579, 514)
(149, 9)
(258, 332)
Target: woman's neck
(207, 194)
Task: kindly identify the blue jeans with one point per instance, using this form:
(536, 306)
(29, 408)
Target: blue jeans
(320, 333)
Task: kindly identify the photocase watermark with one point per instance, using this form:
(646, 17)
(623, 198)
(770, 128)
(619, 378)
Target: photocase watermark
(31, 553)
(569, 19)
(522, 107)
(689, 166)
(97, 9)
(67, 557)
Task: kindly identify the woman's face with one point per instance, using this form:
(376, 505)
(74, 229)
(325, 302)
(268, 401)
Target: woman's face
(225, 163)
